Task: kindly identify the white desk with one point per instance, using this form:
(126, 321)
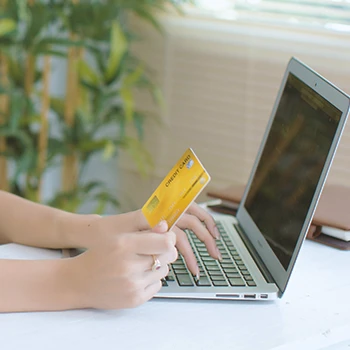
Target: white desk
(313, 314)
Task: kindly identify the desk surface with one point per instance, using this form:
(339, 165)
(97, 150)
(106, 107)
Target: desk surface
(313, 314)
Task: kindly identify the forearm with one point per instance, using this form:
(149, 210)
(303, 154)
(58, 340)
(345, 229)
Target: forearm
(29, 223)
(40, 285)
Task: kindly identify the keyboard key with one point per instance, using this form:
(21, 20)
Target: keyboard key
(248, 278)
(215, 273)
(237, 282)
(178, 264)
(170, 278)
(217, 278)
(184, 280)
(225, 258)
(242, 268)
(230, 269)
(213, 268)
(233, 274)
(251, 284)
(210, 263)
(180, 270)
(203, 282)
(207, 258)
(227, 265)
(220, 283)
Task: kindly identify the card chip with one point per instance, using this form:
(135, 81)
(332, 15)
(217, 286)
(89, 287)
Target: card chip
(152, 204)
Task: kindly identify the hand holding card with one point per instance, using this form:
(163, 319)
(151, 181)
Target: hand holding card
(177, 191)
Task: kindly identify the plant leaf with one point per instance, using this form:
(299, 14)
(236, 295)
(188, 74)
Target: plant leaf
(133, 77)
(17, 108)
(52, 52)
(101, 206)
(87, 74)
(158, 96)
(7, 26)
(15, 71)
(128, 103)
(118, 48)
(57, 105)
(109, 150)
(27, 159)
(147, 16)
(142, 158)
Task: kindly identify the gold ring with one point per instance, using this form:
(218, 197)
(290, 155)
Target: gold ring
(156, 263)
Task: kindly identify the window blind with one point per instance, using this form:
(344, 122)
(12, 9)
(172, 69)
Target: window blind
(331, 13)
(220, 80)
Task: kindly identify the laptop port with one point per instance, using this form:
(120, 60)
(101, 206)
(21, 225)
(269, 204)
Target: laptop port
(228, 296)
(249, 296)
(263, 296)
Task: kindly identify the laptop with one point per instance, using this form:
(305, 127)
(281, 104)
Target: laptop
(261, 243)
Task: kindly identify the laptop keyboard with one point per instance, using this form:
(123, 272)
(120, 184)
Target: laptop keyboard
(231, 271)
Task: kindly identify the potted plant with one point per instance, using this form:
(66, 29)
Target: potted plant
(93, 38)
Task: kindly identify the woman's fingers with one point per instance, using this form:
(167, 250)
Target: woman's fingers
(205, 217)
(162, 227)
(201, 231)
(152, 284)
(156, 275)
(146, 262)
(150, 243)
(122, 265)
(185, 249)
(151, 290)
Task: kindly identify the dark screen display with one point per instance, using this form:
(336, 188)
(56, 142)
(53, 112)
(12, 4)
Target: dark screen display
(290, 166)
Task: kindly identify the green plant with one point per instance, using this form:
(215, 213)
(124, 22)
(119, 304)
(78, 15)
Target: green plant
(94, 38)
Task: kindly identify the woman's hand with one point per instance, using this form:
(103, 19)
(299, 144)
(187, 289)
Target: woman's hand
(195, 219)
(117, 272)
(203, 225)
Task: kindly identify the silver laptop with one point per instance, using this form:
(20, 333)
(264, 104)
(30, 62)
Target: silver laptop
(261, 244)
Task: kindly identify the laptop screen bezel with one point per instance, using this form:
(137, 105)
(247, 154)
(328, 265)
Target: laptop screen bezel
(341, 101)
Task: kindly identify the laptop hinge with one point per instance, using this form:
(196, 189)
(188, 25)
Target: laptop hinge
(255, 255)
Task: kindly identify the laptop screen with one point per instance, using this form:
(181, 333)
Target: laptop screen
(290, 166)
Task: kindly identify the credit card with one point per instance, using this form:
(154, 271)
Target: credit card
(177, 191)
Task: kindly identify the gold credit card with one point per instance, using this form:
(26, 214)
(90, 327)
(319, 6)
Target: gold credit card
(177, 191)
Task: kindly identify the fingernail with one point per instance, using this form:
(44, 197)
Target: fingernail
(216, 233)
(219, 254)
(162, 224)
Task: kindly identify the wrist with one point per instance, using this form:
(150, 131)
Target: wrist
(69, 293)
(38, 285)
(77, 230)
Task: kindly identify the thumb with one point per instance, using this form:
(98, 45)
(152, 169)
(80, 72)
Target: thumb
(162, 227)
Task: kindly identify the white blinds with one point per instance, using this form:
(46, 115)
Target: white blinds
(220, 80)
(328, 13)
